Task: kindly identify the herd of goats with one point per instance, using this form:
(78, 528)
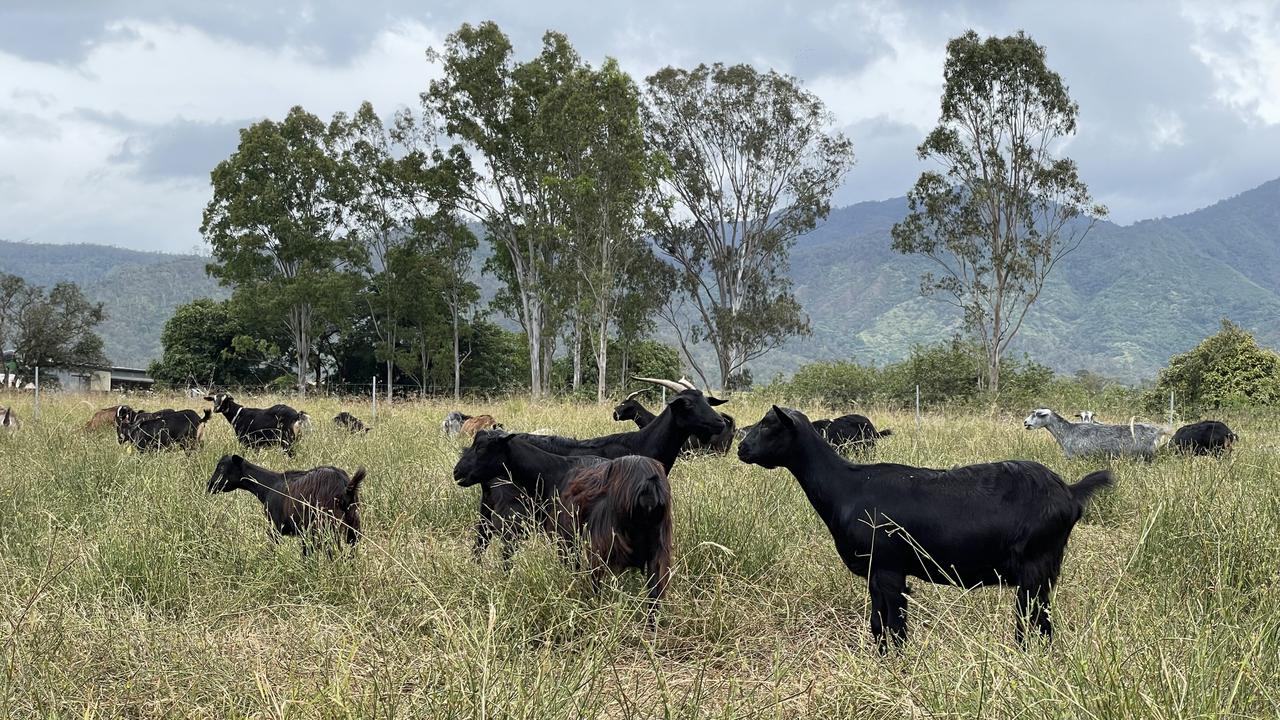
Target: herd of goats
(607, 502)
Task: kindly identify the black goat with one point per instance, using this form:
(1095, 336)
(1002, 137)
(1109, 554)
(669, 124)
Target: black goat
(127, 417)
(622, 508)
(851, 432)
(1207, 437)
(258, 428)
(310, 504)
(350, 422)
(688, 414)
(166, 429)
(998, 523)
(631, 409)
(517, 480)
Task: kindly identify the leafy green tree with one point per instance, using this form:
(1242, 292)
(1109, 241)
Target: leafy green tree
(57, 329)
(496, 107)
(1227, 369)
(15, 296)
(499, 360)
(200, 348)
(750, 165)
(276, 228)
(1004, 209)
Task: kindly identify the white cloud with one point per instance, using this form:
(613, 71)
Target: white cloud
(1166, 129)
(1240, 44)
(902, 84)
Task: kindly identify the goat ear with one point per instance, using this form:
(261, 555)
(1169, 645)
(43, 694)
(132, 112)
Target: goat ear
(713, 401)
(783, 417)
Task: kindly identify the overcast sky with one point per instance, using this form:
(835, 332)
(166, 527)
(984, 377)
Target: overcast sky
(113, 113)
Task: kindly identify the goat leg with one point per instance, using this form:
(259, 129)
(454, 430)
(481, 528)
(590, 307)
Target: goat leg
(888, 608)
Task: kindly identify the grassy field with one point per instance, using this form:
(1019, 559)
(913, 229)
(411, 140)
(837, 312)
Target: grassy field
(126, 590)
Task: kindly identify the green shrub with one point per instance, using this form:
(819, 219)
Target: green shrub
(1226, 370)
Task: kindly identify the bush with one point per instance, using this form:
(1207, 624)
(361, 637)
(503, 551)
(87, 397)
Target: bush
(1227, 369)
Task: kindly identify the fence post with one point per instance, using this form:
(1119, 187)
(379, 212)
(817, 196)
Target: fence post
(374, 395)
(917, 408)
(35, 413)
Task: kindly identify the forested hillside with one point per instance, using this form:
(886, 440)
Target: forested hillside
(140, 290)
(1120, 305)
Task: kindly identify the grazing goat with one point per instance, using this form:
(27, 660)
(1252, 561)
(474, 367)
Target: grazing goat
(349, 422)
(1207, 437)
(258, 428)
(126, 417)
(854, 432)
(473, 425)
(517, 482)
(165, 429)
(452, 424)
(1086, 416)
(310, 504)
(631, 409)
(622, 508)
(9, 420)
(102, 419)
(1079, 439)
(998, 523)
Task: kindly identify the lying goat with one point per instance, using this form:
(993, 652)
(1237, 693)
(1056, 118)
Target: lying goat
(311, 504)
(1207, 437)
(258, 428)
(473, 425)
(1003, 523)
(851, 432)
(452, 424)
(349, 422)
(1091, 438)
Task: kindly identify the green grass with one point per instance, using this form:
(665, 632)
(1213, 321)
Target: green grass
(126, 590)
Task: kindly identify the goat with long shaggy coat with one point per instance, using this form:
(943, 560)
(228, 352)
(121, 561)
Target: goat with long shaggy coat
(622, 509)
(519, 483)
(995, 523)
(311, 504)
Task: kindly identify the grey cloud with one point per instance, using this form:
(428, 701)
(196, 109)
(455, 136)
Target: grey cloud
(179, 150)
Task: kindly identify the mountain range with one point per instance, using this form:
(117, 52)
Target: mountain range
(1120, 305)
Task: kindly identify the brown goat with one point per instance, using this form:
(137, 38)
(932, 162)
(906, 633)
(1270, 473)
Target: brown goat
(475, 424)
(102, 419)
(622, 508)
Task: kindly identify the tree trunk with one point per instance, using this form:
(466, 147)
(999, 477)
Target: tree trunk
(602, 361)
(301, 316)
(577, 350)
(457, 361)
(390, 376)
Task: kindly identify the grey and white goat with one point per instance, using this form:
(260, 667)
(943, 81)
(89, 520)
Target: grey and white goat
(1089, 438)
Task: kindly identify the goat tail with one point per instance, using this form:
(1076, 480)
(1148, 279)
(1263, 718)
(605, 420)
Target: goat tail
(1090, 484)
(353, 485)
(886, 432)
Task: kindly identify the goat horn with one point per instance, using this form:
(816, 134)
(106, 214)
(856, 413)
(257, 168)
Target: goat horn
(668, 384)
(685, 382)
(638, 392)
